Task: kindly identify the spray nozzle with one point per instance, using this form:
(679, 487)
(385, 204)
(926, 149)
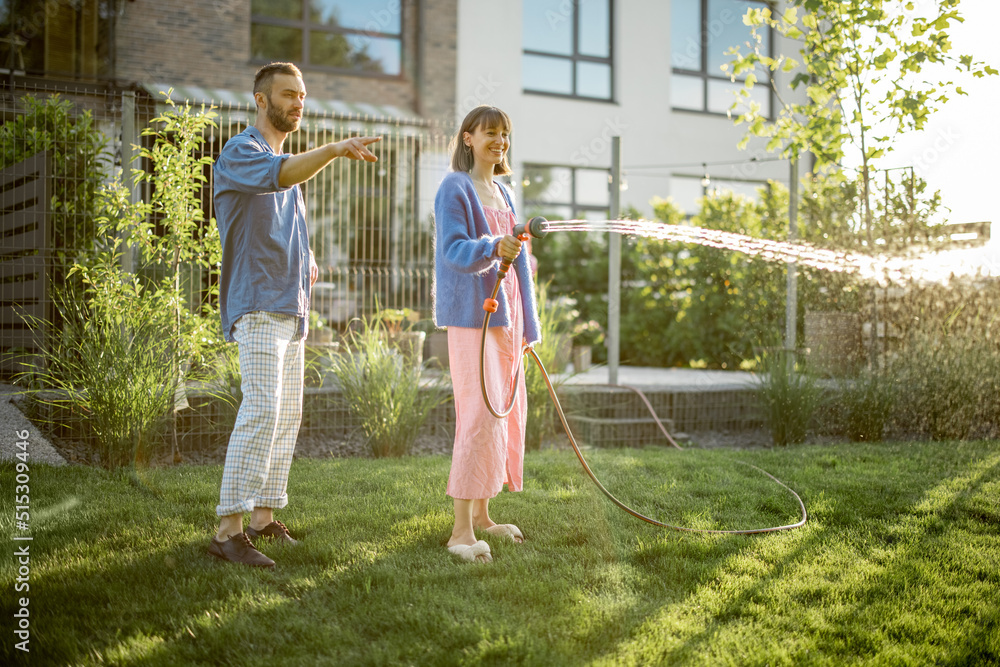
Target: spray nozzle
(535, 228)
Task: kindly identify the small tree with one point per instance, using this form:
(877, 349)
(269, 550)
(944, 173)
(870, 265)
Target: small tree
(168, 235)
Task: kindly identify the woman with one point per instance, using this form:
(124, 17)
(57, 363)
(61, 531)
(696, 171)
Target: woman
(474, 216)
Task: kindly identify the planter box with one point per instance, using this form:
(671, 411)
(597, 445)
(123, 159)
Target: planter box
(436, 349)
(410, 344)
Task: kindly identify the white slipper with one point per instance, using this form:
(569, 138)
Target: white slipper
(507, 529)
(473, 552)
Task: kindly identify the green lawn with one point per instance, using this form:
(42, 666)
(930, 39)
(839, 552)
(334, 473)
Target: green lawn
(898, 564)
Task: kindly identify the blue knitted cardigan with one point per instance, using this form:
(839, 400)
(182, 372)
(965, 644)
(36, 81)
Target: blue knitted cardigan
(465, 264)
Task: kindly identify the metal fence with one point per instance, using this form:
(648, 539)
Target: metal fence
(371, 225)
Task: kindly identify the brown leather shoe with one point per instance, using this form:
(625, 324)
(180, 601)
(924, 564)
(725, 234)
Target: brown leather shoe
(273, 531)
(238, 549)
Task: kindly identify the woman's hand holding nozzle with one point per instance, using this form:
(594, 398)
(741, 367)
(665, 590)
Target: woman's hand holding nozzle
(509, 248)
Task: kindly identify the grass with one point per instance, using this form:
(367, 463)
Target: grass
(897, 564)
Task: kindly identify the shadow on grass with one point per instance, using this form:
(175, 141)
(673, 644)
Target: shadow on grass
(891, 584)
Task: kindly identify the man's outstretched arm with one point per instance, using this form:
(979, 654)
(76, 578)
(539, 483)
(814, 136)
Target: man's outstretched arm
(303, 166)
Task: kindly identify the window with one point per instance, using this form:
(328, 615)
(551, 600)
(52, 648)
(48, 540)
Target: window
(360, 36)
(567, 48)
(56, 38)
(701, 31)
(566, 193)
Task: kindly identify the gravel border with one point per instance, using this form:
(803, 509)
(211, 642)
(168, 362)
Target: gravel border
(13, 421)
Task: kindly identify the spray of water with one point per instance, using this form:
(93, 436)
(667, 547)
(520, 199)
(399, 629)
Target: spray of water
(929, 267)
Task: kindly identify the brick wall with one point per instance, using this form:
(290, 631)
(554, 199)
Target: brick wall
(207, 43)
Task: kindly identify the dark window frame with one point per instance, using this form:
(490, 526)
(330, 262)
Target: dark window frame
(306, 27)
(576, 208)
(706, 76)
(576, 57)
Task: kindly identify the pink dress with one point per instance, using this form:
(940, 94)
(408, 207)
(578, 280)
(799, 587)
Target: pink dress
(488, 452)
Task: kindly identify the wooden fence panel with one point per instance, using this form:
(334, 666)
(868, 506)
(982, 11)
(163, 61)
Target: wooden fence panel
(24, 204)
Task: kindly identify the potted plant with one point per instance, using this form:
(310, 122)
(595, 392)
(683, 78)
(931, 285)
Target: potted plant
(437, 348)
(435, 353)
(585, 336)
(400, 334)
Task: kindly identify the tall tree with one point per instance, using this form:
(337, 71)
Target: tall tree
(862, 64)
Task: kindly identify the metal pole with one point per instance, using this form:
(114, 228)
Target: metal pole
(792, 292)
(130, 139)
(614, 263)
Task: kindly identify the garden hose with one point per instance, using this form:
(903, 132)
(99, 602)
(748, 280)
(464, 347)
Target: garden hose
(536, 228)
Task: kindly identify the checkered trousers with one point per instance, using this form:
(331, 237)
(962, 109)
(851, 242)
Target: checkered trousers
(267, 425)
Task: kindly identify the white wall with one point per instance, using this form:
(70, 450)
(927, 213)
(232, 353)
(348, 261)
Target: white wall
(575, 132)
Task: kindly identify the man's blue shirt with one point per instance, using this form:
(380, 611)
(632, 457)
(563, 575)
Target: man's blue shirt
(265, 242)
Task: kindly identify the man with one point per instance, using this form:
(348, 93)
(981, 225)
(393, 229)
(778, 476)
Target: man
(267, 275)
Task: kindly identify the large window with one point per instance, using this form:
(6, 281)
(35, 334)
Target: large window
(361, 36)
(701, 31)
(566, 193)
(567, 48)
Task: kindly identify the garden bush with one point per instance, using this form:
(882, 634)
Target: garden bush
(947, 387)
(383, 390)
(78, 158)
(866, 404)
(684, 303)
(788, 397)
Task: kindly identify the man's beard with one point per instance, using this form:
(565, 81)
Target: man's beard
(279, 119)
